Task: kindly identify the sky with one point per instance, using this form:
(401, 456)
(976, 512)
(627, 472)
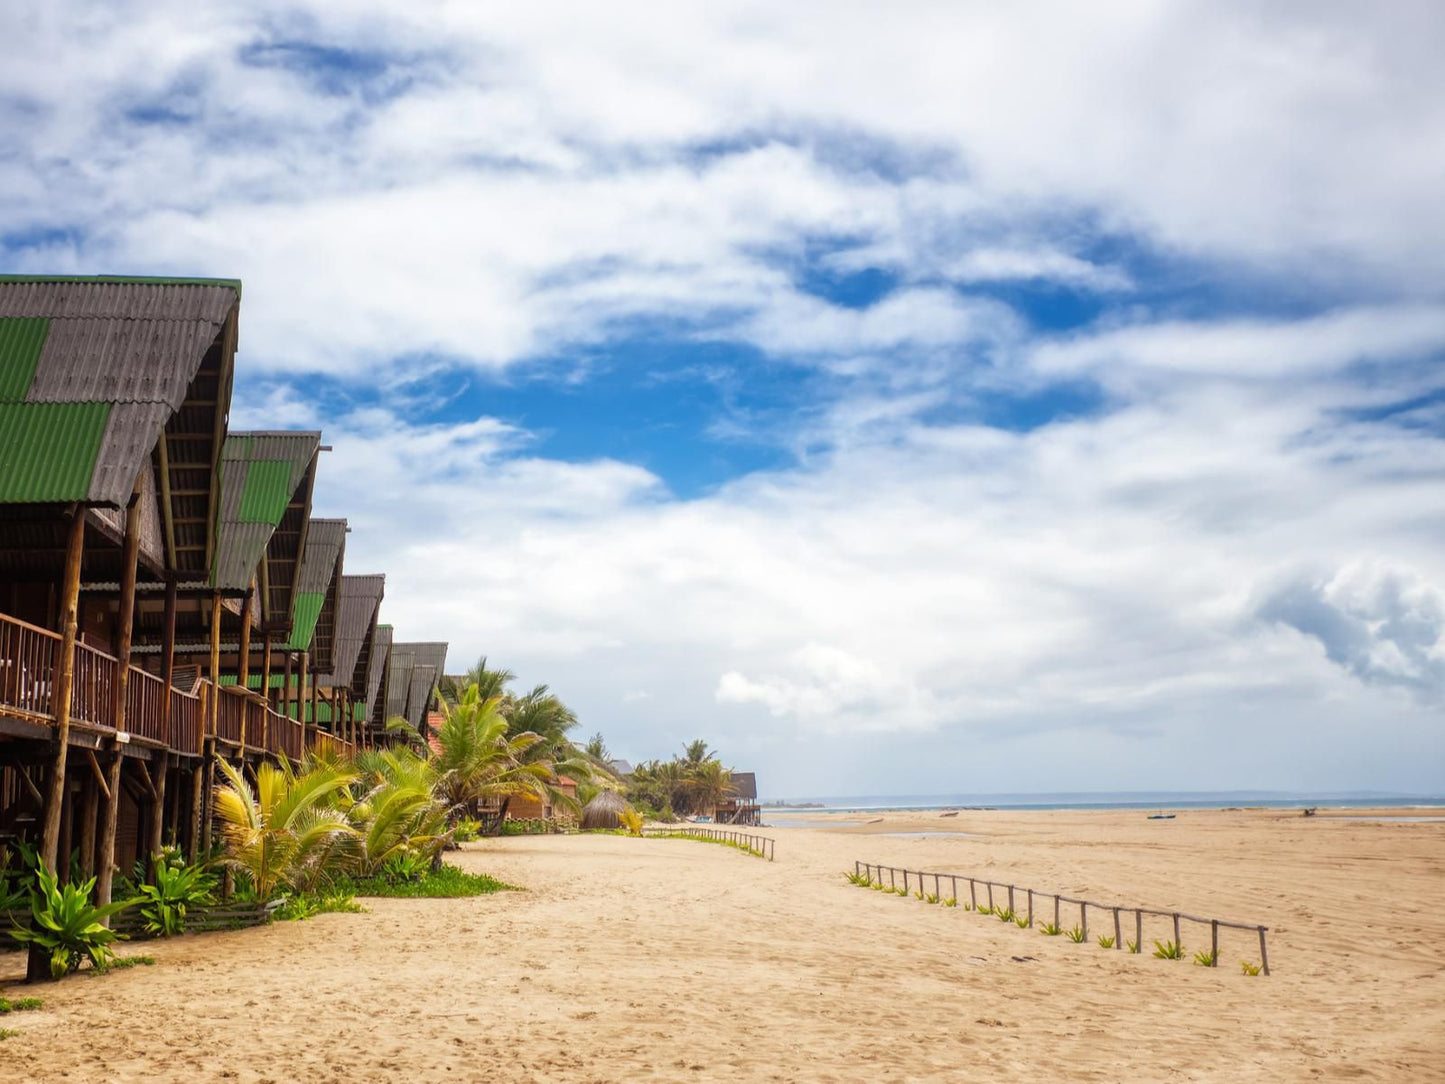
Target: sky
(922, 398)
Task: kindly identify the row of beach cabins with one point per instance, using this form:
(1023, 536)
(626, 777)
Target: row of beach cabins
(167, 598)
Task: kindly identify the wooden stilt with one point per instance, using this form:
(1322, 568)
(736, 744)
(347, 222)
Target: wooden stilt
(286, 689)
(61, 684)
(89, 811)
(266, 666)
(213, 707)
(168, 655)
(303, 659)
(105, 874)
(155, 840)
(243, 664)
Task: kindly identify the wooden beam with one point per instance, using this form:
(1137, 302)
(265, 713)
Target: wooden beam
(99, 775)
(243, 666)
(166, 511)
(168, 658)
(145, 780)
(64, 676)
(110, 813)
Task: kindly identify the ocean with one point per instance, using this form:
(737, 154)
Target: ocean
(1109, 800)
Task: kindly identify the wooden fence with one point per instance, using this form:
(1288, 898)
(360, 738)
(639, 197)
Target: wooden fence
(921, 878)
(762, 846)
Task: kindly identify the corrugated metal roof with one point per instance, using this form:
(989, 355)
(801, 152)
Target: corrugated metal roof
(400, 663)
(96, 343)
(114, 360)
(380, 660)
(423, 684)
(259, 477)
(323, 542)
(306, 609)
(357, 607)
(48, 450)
(130, 434)
(101, 296)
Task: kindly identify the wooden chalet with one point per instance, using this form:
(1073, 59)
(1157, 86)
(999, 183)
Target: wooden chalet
(144, 552)
(413, 674)
(358, 606)
(740, 806)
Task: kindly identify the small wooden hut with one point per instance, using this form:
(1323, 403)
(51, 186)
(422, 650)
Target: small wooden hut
(604, 810)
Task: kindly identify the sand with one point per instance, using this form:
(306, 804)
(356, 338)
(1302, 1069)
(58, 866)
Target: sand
(669, 960)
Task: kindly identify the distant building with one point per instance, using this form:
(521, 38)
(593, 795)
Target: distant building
(740, 807)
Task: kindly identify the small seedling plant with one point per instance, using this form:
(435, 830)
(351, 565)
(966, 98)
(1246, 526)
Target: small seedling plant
(1050, 929)
(1076, 935)
(1249, 968)
(1206, 959)
(1168, 950)
(1106, 942)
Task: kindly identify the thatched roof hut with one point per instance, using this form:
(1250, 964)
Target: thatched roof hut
(603, 810)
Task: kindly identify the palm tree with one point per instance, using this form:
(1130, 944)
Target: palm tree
(475, 760)
(597, 749)
(395, 811)
(491, 683)
(711, 784)
(697, 753)
(283, 831)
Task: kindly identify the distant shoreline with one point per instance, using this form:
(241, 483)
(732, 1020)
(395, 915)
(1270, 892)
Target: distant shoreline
(1027, 803)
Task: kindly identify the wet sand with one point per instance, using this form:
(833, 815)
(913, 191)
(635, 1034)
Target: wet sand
(670, 960)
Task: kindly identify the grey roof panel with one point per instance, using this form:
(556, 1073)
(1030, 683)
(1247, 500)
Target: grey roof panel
(380, 660)
(120, 361)
(131, 431)
(357, 606)
(423, 684)
(118, 300)
(324, 539)
(400, 663)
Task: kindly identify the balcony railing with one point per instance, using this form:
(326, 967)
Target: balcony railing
(27, 676)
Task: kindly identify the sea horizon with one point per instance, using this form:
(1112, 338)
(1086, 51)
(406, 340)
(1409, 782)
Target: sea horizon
(1047, 800)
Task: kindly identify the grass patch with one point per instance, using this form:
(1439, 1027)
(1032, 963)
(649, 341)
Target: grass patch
(952, 901)
(1021, 921)
(682, 834)
(1205, 959)
(120, 963)
(8, 1033)
(1106, 942)
(299, 908)
(19, 1004)
(1048, 929)
(447, 883)
(1132, 946)
(1249, 968)
(1076, 935)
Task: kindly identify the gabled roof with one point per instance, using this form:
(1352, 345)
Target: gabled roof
(358, 604)
(412, 678)
(745, 786)
(260, 475)
(320, 566)
(376, 671)
(91, 369)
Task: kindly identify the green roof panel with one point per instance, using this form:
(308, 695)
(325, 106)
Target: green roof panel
(48, 450)
(303, 620)
(267, 492)
(21, 338)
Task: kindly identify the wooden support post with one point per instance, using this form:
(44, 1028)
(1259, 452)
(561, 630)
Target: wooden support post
(1138, 931)
(973, 893)
(198, 774)
(89, 811)
(1214, 943)
(1031, 907)
(266, 667)
(1263, 952)
(215, 668)
(1118, 931)
(156, 836)
(105, 875)
(61, 682)
(1010, 897)
(990, 894)
(1084, 919)
(168, 659)
(213, 707)
(1177, 939)
(243, 663)
(315, 717)
(301, 663)
(1056, 912)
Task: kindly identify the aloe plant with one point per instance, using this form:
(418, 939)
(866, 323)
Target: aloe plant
(1249, 968)
(1106, 942)
(1076, 935)
(1205, 959)
(1168, 950)
(68, 926)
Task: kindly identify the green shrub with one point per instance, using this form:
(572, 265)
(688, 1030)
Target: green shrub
(1048, 929)
(120, 963)
(467, 830)
(1249, 968)
(305, 905)
(1206, 959)
(1132, 946)
(449, 882)
(1076, 935)
(1106, 942)
(1168, 950)
(177, 888)
(1004, 914)
(527, 826)
(1021, 921)
(952, 901)
(19, 1005)
(8, 1033)
(66, 926)
(932, 897)
(985, 909)
(405, 867)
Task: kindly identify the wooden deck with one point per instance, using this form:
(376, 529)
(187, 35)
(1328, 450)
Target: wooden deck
(245, 723)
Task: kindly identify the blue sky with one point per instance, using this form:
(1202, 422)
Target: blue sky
(953, 401)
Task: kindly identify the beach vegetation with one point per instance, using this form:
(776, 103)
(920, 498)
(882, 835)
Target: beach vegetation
(1049, 929)
(1004, 914)
(918, 894)
(445, 882)
(1076, 935)
(931, 897)
(1249, 968)
(630, 820)
(1132, 946)
(1168, 950)
(306, 905)
(952, 901)
(121, 963)
(466, 830)
(66, 927)
(174, 889)
(1106, 942)
(21, 1004)
(1022, 921)
(8, 1033)
(985, 909)
(1206, 959)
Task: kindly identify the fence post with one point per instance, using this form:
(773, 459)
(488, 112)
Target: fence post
(1263, 953)
(1031, 908)
(857, 868)
(1214, 943)
(1118, 933)
(955, 890)
(1177, 940)
(1010, 897)
(990, 895)
(973, 893)
(892, 882)
(1084, 919)
(1139, 929)
(1056, 911)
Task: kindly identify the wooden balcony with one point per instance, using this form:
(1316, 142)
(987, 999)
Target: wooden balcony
(244, 721)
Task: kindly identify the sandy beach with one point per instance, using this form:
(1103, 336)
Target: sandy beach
(671, 960)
